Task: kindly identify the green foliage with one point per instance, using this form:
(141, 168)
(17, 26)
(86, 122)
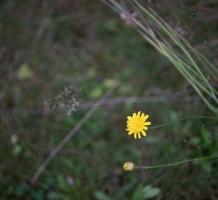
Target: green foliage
(24, 72)
(146, 192)
(74, 43)
(101, 196)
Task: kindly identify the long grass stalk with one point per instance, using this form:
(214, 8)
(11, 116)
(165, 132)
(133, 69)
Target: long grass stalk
(193, 65)
(174, 164)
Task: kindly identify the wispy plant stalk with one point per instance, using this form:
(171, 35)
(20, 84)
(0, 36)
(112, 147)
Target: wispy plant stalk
(194, 66)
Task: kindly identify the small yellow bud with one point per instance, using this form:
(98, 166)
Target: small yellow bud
(128, 166)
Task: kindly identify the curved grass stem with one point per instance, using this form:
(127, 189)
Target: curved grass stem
(174, 164)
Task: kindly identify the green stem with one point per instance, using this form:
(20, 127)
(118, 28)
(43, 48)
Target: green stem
(184, 118)
(177, 163)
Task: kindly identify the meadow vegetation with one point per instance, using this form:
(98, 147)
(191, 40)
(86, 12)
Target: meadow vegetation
(58, 58)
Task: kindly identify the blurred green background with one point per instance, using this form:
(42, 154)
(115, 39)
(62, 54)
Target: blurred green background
(57, 58)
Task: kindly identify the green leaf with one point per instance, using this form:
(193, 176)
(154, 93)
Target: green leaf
(111, 83)
(62, 183)
(147, 192)
(17, 150)
(24, 72)
(111, 25)
(138, 194)
(96, 92)
(101, 196)
(53, 196)
(151, 192)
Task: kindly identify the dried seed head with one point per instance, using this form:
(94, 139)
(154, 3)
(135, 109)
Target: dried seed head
(65, 101)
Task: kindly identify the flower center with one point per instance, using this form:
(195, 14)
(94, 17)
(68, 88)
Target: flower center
(138, 125)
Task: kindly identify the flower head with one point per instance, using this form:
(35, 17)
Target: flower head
(137, 124)
(128, 166)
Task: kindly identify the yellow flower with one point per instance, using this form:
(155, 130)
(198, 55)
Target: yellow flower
(137, 124)
(128, 166)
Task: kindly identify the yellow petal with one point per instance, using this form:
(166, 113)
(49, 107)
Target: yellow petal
(130, 133)
(143, 133)
(129, 117)
(139, 135)
(146, 128)
(147, 123)
(146, 117)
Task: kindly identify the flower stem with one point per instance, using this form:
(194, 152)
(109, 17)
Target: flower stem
(177, 163)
